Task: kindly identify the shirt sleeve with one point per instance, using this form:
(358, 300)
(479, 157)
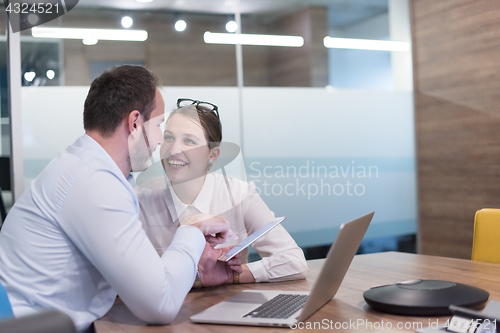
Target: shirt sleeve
(282, 259)
(100, 216)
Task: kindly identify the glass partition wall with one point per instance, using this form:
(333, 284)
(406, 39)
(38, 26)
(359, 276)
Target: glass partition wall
(326, 130)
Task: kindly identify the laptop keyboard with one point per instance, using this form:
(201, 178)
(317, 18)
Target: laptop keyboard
(281, 306)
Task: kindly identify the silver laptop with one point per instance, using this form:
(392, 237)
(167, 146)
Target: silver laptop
(286, 308)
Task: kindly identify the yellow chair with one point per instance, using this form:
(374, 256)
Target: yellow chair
(486, 241)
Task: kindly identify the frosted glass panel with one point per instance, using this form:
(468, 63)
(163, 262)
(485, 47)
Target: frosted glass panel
(322, 158)
(318, 157)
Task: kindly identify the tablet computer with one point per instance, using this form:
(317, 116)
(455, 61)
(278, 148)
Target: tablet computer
(250, 239)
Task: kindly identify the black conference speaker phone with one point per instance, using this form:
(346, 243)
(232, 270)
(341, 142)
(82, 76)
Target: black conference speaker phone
(424, 297)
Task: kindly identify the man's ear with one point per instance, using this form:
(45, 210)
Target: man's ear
(133, 120)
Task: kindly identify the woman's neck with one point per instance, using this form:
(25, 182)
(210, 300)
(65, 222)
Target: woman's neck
(188, 191)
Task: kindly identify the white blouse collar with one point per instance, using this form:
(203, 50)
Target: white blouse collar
(201, 203)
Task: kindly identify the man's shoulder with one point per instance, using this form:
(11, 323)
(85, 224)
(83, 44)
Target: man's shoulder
(73, 167)
(78, 159)
(86, 152)
(74, 162)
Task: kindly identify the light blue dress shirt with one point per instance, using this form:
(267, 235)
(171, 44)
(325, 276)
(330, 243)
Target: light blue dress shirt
(73, 241)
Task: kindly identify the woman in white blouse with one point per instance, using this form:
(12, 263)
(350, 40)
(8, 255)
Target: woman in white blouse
(192, 137)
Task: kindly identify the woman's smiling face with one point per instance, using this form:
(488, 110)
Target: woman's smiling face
(185, 153)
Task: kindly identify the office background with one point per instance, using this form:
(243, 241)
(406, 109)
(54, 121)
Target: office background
(327, 134)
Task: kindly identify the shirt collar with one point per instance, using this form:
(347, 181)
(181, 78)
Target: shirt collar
(201, 203)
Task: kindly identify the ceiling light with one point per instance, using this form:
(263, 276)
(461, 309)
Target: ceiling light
(180, 25)
(90, 41)
(32, 19)
(29, 76)
(231, 26)
(90, 34)
(144, 0)
(127, 22)
(251, 39)
(50, 74)
(365, 44)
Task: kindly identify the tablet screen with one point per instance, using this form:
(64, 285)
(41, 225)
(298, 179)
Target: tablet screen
(250, 239)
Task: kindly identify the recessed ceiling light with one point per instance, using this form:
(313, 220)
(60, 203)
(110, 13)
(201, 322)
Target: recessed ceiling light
(90, 41)
(231, 26)
(180, 25)
(144, 0)
(29, 76)
(33, 19)
(127, 22)
(50, 74)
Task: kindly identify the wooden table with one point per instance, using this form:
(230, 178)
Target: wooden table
(346, 308)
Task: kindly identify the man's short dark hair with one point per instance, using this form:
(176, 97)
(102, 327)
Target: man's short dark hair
(117, 92)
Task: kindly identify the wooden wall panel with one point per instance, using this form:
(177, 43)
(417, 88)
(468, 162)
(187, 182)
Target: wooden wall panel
(306, 66)
(318, 20)
(425, 8)
(457, 96)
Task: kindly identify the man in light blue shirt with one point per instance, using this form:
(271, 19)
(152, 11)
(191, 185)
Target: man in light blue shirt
(73, 241)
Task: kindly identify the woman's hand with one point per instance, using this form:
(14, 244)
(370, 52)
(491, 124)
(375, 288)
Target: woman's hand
(214, 227)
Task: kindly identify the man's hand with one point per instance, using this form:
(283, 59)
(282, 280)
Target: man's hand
(214, 272)
(214, 227)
